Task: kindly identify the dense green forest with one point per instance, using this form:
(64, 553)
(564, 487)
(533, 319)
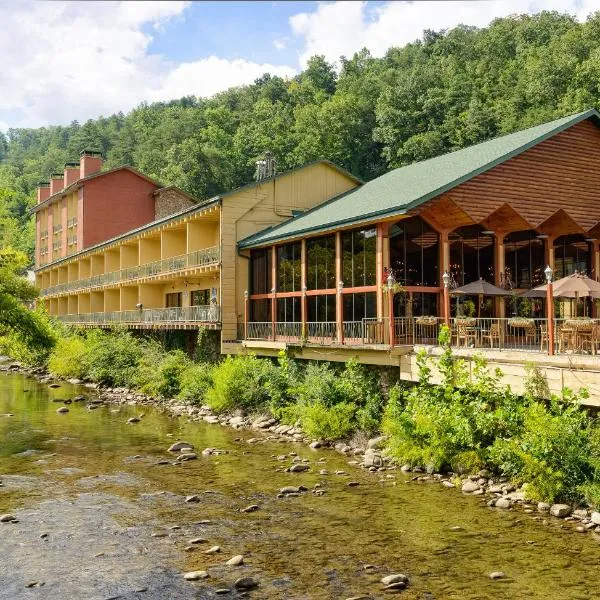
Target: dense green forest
(447, 90)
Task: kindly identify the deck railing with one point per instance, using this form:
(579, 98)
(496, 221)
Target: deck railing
(199, 258)
(526, 334)
(187, 314)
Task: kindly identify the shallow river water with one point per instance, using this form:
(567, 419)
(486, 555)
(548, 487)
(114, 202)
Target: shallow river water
(98, 518)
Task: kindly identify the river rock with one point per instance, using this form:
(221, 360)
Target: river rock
(7, 518)
(376, 443)
(235, 561)
(496, 575)
(543, 507)
(237, 421)
(372, 458)
(186, 456)
(251, 508)
(193, 498)
(398, 585)
(245, 583)
(195, 575)
(213, 550)
(133, 420)
(298, 468)
(395, 578)
(198, 540)
(289, 489)
(468, 486)
(560, 510)
(447, 483)
(316, 444)
(78, 398)
(54, 385)
(503, 502)
(595, 518)
(178, 446)
(62, 410)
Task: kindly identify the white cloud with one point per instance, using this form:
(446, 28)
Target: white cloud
(77, 60)
(210, 75)
(342, 28)
(279, 43)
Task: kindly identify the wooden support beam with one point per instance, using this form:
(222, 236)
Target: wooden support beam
(339, 304)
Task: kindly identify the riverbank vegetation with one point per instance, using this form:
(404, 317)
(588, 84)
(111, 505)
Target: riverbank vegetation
(463, 423)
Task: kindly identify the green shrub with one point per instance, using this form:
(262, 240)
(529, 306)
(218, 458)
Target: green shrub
(240, 382)
(70, 357)
(327, 422)
(160, 373)
(195, 381)
(282, 384)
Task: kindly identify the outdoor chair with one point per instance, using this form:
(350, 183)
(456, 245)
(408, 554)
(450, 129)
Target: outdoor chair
(467, 335)
(543, 336)
(492, 334)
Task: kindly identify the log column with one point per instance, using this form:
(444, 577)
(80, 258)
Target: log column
(499, 269)
(273, 290)
(303, 305)
(379, 266)
(444, 262)
(339, 303)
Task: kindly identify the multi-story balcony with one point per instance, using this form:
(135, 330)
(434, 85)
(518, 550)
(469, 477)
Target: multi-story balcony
(188, 316)
(200, 258)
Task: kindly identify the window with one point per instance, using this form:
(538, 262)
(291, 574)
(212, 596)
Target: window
(173, 300)
(288, 310)
(321, 308)
(571, 253)
(524, 260)
(260, 272)
(320, 263)
(200, 297)
(288, 268)
(414, 253)
(471, 254)
(360, 306)
(260, 311)
(358, 257)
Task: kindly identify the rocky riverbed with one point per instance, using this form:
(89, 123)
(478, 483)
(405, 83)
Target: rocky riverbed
(121, 497)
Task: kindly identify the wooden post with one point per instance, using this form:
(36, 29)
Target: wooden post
(391, 317)
(550, 313)
(246, 302)
(499, 270)
(273, 290)
(379, 270)
(339, 304)
(446, 306)
(444, 262)
(596, 260)
(303, 306)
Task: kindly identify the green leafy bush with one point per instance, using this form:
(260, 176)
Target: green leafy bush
(195, 381)
(240, 382)
(70, 357)
(160, 373)
(327, 422)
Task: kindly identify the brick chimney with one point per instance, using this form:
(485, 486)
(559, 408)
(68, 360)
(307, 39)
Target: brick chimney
(90, 162)
(71, 173)
(43, 191)
(57, 181)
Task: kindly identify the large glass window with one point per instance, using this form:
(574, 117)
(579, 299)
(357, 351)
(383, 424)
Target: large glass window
(320, 263)
(471, 254)
(360, 306)
(571, 253)
(173, 300)
(414, 252)
(524, 260)
(359, 257)
(288, 310)
(260, 311)
(288, 268)
(260, 271)
(200, 297)
(321, 308)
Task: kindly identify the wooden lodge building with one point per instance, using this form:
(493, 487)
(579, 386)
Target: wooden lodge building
(316, 261)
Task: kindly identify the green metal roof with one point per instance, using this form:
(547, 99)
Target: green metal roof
(408, 187)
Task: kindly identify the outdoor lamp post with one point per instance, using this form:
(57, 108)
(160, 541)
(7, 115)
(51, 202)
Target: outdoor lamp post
(246, 314)
(390, 284)
(550, 309)
(446, 281)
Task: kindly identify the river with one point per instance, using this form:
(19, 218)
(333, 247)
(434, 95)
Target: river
(99, 517)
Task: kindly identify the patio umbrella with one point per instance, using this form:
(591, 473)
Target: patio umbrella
(572, 286)
(479, 288)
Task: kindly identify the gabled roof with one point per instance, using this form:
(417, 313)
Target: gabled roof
(405, 188)
(77, 184)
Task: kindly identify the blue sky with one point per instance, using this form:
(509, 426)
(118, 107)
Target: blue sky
(65, 59)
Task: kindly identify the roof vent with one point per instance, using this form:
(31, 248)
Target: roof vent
(265, 167)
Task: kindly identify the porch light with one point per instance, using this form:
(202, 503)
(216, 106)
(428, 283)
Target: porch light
(391, 280)
(446, 279)
(246, 295)
(340, 286)
(548, 274)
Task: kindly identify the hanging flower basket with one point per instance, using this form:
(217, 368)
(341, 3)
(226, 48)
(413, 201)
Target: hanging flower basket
(426, 320)
(466, 321)
(520, 322)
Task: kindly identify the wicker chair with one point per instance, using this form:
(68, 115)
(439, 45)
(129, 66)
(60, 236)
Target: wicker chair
(492, 334)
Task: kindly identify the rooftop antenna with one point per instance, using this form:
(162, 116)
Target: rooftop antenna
(265, 167)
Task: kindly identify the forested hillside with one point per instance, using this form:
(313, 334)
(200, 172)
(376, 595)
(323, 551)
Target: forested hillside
(445, 91)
